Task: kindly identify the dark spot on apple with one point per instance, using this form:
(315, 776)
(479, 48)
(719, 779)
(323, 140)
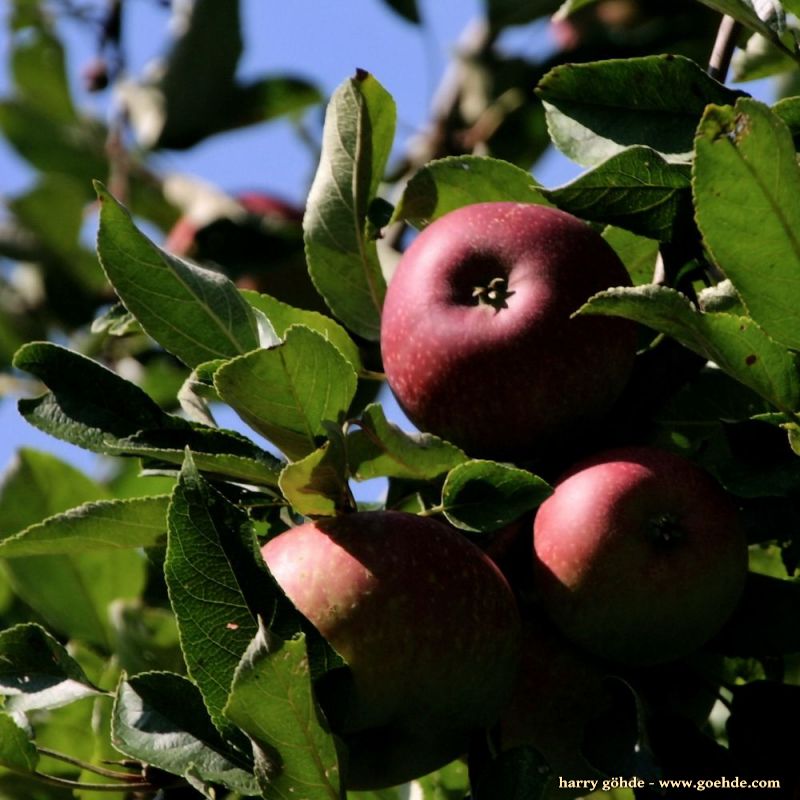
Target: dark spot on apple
(750, 360)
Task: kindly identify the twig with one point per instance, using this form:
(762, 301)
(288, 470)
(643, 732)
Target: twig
(724, 45)
(129, 777)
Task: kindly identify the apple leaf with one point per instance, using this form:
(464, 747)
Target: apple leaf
(747, 151)
(37, 672)
(483, 496)
(214, 619)
(159, 718)
(17, 752)
(342, 259)
(637, 253)
(596, 110)
(101, 525)
(451, 782)
(502, 13)
(316, 485)
(94, 408)
(636, 189)
(38, 485)
(407, 9)
(287, 392)
(449, 183)
(146, 638)
(768, 18)
(788, 109)
(195, 313)
(380, 448)
(272, 701)
(736, 344)
(282, 316)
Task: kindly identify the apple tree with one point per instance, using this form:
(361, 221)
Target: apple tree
(579, 578)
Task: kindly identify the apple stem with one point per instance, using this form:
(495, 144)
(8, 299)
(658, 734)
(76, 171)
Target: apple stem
(494, 294)
(665, 529)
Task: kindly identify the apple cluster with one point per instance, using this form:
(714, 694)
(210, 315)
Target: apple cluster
(637, 558)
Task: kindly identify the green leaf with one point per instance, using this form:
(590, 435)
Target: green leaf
(17, 751)
(636, 190)
(37, 672)
(195, 313)
(273, 702)
(747, 151)
(214, 620)
(160, 719)
(146, 638)
(282, 316)
(407, 9)
(101, 525)
(736, 344)
(342, 260)
(485, 495)
(317, 484)
(788, 110)
(596, 110)
(287, 392)
(39, 70)
(450, 183)
(760, 59)
(637, 253)
(38, 485)
(73, 593)
(379, 448)
(95, 408)
(448, 783)
(769, 24)
(502, 13)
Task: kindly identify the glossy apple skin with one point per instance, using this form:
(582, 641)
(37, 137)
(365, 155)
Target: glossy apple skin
(639, 556)
(427, 624)
(504, 382)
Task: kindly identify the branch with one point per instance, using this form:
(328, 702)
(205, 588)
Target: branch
(724, 45)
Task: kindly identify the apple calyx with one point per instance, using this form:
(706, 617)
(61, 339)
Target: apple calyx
(494, 294)
(665, 529)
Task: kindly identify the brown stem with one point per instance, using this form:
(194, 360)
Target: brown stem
(724, 45)
(106, 773)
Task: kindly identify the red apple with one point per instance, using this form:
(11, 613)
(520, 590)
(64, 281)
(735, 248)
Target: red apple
(558, 692)
(427, 624)
(639, 555)
(477, 340)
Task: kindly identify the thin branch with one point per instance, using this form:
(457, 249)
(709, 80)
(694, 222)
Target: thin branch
(724, 45)
(64, 783)
(106, 773)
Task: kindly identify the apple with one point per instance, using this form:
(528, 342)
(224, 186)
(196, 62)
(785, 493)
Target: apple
(558, 692)
(477, 340)
(257, 239)
(427, 624)
(639, 555)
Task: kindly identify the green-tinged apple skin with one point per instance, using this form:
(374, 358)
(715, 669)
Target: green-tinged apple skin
(639, 555)
(427, 624)
(477, 341)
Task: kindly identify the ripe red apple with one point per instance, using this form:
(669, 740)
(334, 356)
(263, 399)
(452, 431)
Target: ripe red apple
(477, 341)
(427, 624)
(559, 690)
(639, 556)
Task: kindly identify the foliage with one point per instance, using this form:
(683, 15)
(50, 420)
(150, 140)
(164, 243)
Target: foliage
(136, 608)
